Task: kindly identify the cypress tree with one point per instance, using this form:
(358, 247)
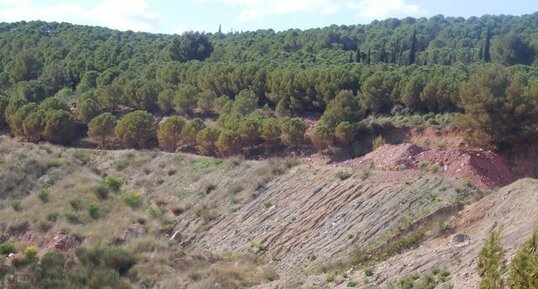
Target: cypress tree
(369, 57)
(393, 55)
(487, 56)
(383, 54)
(358, 55)
(413, 48)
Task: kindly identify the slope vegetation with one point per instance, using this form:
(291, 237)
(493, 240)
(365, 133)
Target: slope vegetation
(194, 222)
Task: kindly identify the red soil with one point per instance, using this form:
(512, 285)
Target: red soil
(485, 169)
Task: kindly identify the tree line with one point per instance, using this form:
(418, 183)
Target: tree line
(62, 75)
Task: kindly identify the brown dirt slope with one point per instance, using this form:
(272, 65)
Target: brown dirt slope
(486, 169)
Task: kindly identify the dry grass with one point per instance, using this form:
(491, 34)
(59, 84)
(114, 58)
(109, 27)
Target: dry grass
(177, 186)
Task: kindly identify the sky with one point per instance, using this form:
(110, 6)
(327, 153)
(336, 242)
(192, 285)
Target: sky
(167, 16)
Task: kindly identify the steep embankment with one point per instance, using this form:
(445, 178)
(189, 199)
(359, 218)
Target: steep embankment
(512, 208)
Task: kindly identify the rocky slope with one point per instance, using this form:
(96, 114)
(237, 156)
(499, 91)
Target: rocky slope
(311, 213)
(512, 208)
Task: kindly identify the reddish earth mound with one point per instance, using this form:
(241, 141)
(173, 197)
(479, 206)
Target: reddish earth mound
(485, 168)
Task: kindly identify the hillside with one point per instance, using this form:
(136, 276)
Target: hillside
(394, 155)
(509, 209)
(239, 223)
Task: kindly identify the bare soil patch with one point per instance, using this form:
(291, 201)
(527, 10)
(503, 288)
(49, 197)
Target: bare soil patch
(485, 169)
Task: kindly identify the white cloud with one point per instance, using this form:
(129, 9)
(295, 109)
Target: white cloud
(366, 10)
(251, 10)
(120, 14)
(369, 10)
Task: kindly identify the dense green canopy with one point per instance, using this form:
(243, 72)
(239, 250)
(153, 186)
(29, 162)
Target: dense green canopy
(395, 66)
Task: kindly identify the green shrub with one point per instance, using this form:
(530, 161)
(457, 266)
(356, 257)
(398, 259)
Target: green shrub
(103, 278)
(94, 209)
(204, 212)
(113, 183)
(368, 271)
(423, 165)
(117, 259)
(153, 212)
(16, 205)
(399, 245)
(75, 203)
(7, 248)
(43, 195)
(378, 142)
(330, 278)
(121, 165)
(132, 199)
(100, 191)
(44, 225)
(468, 183)
(30, 252)
(52, 216)
(352, 283)
(71, 217)
(343, 175)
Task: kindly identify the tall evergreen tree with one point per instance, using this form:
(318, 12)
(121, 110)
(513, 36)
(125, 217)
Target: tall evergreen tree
(413, 48)
(358, 55)
(524, 267)
(490, 258)
(487, 56)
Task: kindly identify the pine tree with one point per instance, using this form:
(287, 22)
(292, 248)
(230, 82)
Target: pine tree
(101, 127)
(137, 129)
(169, 132)
(490, 258)
(524, 267)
